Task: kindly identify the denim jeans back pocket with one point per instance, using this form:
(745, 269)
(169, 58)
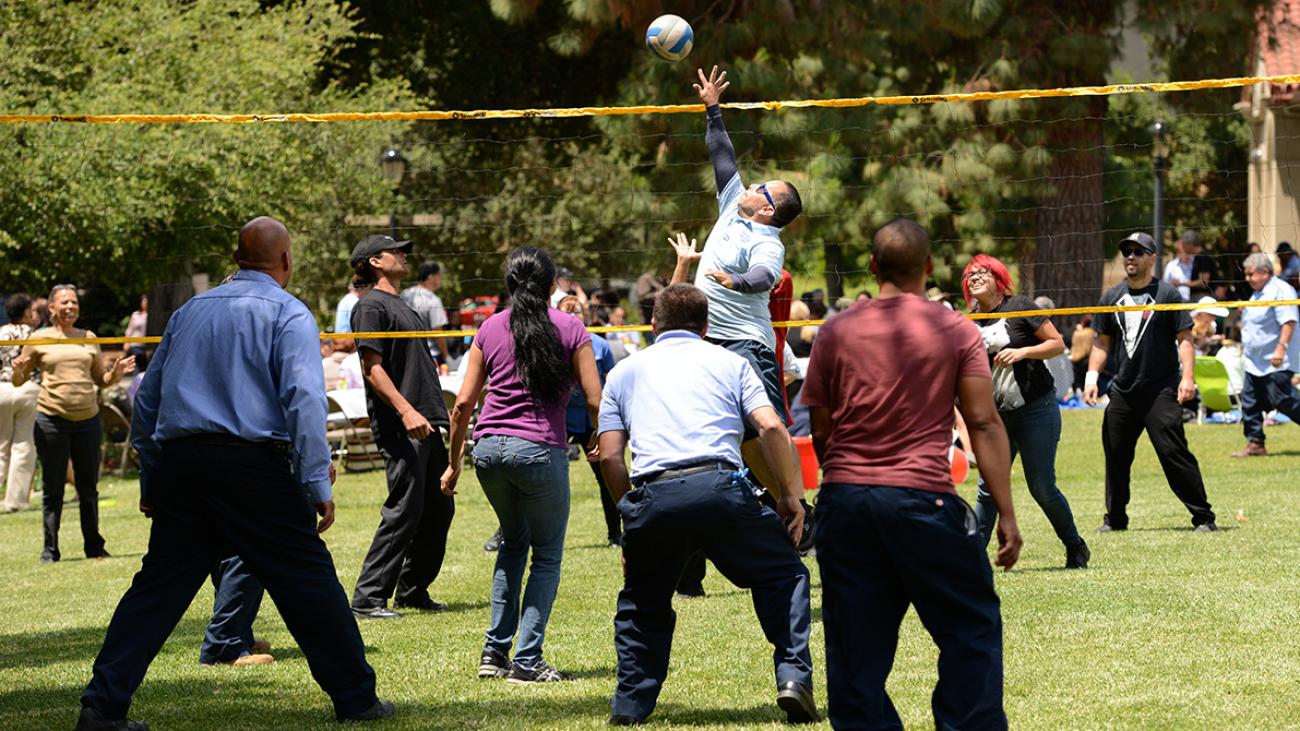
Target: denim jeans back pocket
(521, 452)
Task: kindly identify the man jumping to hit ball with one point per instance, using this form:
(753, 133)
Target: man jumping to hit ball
(741, 262)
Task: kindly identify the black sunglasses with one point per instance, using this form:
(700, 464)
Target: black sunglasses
(1128, 251)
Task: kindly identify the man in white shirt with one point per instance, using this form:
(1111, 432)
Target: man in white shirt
(1270, 351)
(1178, 272)
(692, 495)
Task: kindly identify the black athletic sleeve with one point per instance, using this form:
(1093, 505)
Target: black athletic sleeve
(720, 148)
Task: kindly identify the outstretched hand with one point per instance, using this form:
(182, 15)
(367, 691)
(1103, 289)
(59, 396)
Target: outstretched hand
(710, 89)
(685, 249)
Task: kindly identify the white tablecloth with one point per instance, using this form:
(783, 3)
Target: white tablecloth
(352, 401)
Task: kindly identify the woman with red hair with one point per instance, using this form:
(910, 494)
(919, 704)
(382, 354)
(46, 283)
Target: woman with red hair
(1025, 394)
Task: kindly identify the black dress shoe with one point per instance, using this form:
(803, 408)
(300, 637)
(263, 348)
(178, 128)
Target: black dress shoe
(381, 709)
(493, 544)
(1077, 557)
(424, 604)
(102, 553)
(93, 720)
(618, 720)
(380, 612)
(798, 703)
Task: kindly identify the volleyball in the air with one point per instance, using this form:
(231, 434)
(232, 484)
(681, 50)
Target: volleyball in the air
(671, 37)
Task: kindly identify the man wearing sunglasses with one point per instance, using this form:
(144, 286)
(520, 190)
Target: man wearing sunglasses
(1153, 375)
(741, 261)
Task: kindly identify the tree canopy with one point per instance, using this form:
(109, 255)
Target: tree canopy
(123, 208)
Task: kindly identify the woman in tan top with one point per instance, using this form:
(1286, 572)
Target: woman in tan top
(67, 417)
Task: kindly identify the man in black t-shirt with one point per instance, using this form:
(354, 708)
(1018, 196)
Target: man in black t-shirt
(1153, 375)
(406, 409)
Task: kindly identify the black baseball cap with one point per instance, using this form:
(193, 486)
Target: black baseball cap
(1143, 240)
(1285, 248)
(371, 245)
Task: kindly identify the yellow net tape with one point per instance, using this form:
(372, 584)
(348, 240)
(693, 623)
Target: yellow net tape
(1167, 307)
(442, 115)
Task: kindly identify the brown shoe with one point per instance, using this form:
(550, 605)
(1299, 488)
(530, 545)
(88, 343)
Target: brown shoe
(246, 660)
(260, 647)
(1253, 449)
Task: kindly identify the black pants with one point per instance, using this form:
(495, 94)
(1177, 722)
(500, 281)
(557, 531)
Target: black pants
(716, 513)
(411, 541)
(57, 441)
(209, 502)
(1159, 414)
(881, 549)
(613, 524)
(1261, 393)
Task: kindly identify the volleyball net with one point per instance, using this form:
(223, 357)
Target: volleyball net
(1047, 180)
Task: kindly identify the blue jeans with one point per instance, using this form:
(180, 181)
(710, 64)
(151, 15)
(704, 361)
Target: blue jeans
(1034, 430)
(528, 486)
(229, 635)
(879, 550)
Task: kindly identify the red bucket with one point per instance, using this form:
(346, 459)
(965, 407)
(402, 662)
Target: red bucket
(808, 462)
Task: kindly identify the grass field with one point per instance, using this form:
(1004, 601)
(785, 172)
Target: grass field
(1168, 629)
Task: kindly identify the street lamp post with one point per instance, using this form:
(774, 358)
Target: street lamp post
(394, 169)
(1160, 163)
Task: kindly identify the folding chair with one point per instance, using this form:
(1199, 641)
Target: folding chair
(1213, 386)
(117, 430)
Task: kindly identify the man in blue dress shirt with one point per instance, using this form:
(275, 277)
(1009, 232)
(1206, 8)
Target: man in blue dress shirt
(229, 424)
(692, 495)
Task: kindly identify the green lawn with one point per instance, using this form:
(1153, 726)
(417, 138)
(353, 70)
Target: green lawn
(1168, 629)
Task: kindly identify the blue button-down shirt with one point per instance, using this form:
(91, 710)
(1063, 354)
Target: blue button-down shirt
(242, 359)
(682, 401)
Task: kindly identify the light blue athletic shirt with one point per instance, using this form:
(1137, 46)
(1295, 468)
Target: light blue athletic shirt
(682, 401)
(735, 246)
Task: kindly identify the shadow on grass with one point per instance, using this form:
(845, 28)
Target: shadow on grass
(172, 702)
(75, 644)
(1176, 529)
(680, 714)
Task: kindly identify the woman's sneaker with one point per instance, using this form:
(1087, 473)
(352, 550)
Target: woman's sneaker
(493, 664)
(539, 673)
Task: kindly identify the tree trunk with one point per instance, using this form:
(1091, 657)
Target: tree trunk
(1068, 258)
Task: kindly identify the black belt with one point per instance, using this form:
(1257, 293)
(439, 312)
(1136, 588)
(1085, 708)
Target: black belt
(213, 439)
(673, 473)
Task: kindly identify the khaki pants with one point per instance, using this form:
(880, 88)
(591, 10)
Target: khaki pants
(17, 448)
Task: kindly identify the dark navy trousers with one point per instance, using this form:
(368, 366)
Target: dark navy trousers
(880, 550)
(209, 502)
(664, 523)
(238, 596)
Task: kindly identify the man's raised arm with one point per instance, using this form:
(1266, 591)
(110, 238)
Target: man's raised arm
(715, 134)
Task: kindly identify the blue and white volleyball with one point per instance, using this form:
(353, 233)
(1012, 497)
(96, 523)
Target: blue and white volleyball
(671, 37)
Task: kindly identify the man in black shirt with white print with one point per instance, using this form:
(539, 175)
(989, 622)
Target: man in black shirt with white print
(1153, 375)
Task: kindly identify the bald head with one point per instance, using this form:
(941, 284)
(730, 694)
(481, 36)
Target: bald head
(900, 253)
(264, 247)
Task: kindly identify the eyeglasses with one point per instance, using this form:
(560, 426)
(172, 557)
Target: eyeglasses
(978, 274)
(762, 188)
(1134, 251)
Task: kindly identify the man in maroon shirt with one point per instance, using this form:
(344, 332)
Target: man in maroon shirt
(891, 530)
